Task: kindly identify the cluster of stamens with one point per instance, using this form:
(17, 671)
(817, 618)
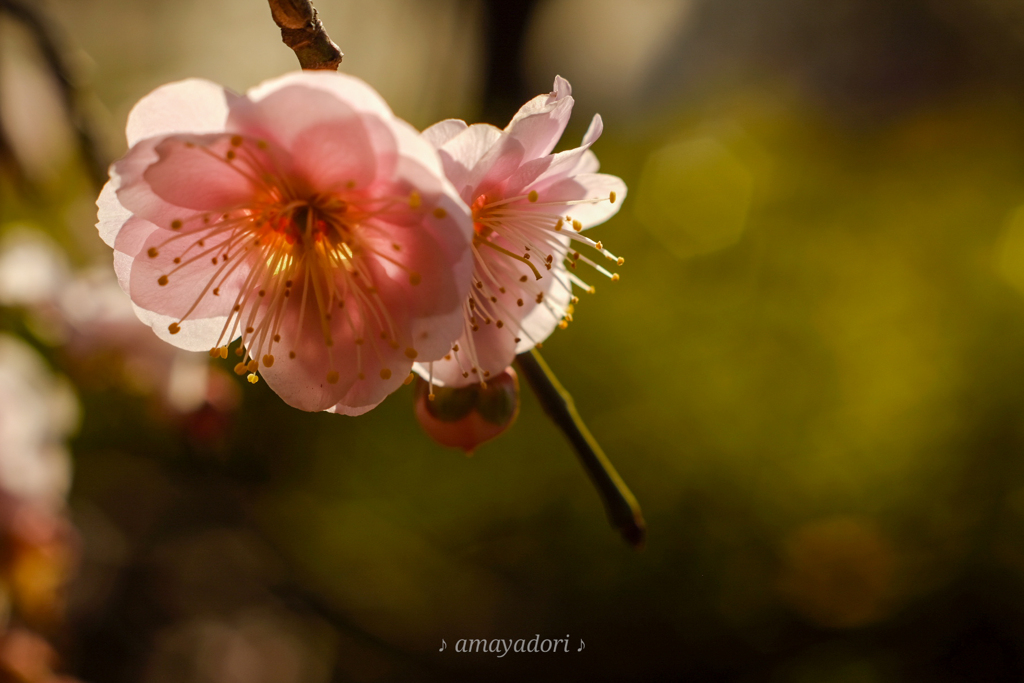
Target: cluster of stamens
(523, 232)
(289, 240)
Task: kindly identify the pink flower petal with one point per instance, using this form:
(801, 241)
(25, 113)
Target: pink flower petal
(191, 106)
(443, 131)
(539, 124)
(193, 172)
(589, 186)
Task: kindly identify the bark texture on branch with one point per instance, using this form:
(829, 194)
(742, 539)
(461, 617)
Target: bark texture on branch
(303, 32)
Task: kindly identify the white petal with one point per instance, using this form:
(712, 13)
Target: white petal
(443, 131)
(190, 106)
(353, 91)
(111, 214)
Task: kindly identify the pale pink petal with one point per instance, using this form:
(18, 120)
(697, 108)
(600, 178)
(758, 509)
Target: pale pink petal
(338, 154)
(440, 267)
(342, 409)
(135, 194)
(598, 186)
(348, 89)
(541, 321)
(194, 335)
(462, 154)
(187, 288)
(112, 214)
(539, 124)
(540, 173)
(190, 106)
(588, 163)
(303, 381)
(193, 172)
(443, 131)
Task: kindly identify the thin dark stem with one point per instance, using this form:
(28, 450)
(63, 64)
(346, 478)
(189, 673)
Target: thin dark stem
(619, 502)
(48, 45)
(303, 32)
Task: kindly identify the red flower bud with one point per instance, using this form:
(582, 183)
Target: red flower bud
(469, 416)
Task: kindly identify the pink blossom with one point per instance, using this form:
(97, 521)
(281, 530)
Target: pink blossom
(38, 411)
(305, 218)
(528, 208)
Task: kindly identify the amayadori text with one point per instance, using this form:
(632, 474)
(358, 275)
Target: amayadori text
(502, 646)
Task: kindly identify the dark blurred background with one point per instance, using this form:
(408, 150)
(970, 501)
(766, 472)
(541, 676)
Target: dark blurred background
(811, 373)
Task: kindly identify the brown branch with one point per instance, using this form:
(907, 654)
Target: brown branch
(303, 32)
(619, 502)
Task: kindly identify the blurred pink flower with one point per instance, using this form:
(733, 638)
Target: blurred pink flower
(302, 216)
(528, 207)
(38, 411)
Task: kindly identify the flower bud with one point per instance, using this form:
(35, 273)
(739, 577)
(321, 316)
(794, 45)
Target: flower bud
(466, 417)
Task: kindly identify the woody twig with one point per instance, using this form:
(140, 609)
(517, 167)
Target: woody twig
(303, 32)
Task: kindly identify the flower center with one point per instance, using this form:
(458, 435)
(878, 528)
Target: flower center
(307, 244)
(527, 231)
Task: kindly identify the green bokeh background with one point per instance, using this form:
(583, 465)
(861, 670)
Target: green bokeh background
(811, 375)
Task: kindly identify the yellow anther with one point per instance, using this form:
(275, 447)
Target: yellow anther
(577, 226)
(414, 200)
(411, 353)
(332, 377)
(236, 140)
(253, 378)
(214, 352)
(499, 324)
(562, 324)
(153, 253)
(162, 280)
(611, 197)
(409, 379)
(253, 364)
(268, 361)
(599, 245)
(619, 261)
(615, 277)
(559, 224)
(176, 225)
(240, 369)
(223, 352)
(440, 213)
(532, 196)
(385, 374)
(174, 328)
(277, 337)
